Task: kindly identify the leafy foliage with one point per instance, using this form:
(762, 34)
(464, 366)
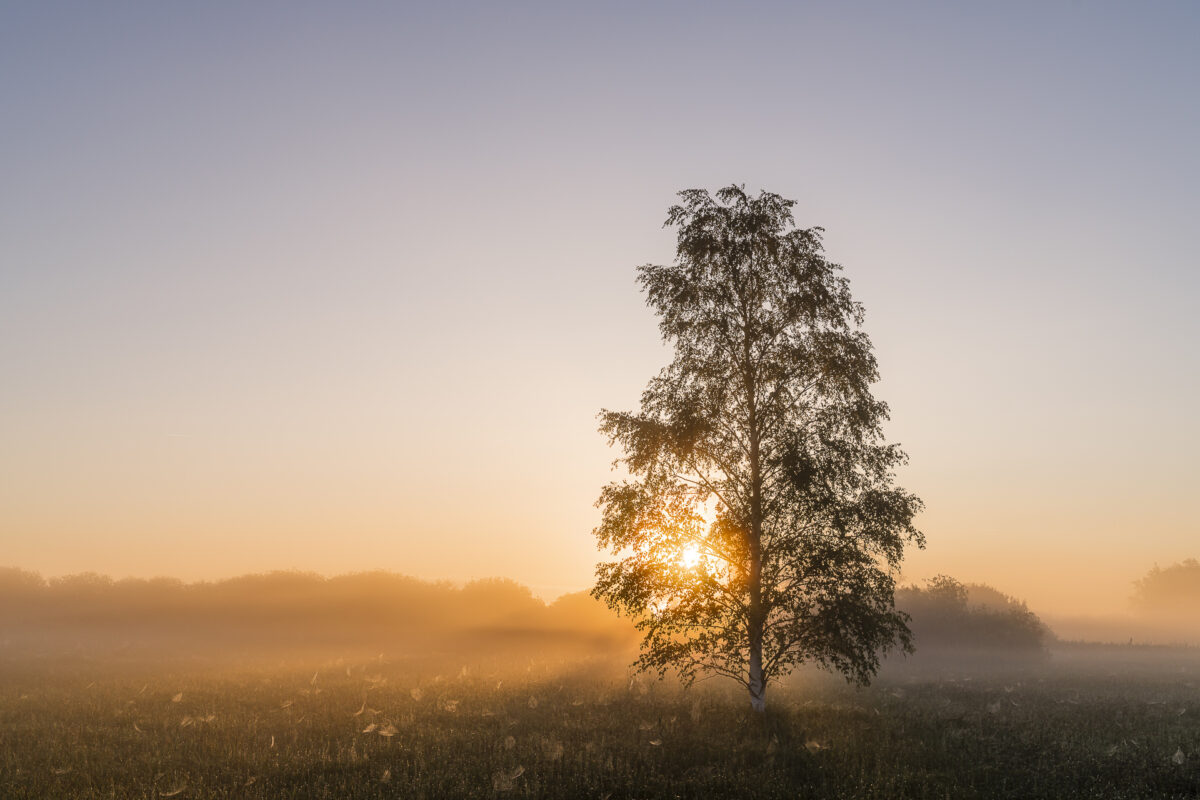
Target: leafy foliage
(759, 528)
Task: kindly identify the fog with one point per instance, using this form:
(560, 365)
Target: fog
(300, 615)
(294, 614)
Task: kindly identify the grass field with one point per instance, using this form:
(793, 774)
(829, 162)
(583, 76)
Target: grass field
(384, 729)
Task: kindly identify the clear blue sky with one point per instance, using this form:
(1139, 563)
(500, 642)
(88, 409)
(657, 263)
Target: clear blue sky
(341, 287)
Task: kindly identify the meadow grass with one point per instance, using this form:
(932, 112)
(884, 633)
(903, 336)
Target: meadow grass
(401, 729)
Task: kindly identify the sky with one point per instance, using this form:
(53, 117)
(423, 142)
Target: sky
(342, 287)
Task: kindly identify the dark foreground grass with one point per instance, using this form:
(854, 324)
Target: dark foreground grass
(391, 730)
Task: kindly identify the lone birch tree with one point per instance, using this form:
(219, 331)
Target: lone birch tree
(759, 527)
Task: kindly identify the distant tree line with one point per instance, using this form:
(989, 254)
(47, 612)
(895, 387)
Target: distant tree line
(384, 611)
(290, 610)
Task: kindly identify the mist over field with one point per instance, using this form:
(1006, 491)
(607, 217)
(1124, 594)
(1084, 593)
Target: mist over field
(298, 614)
(377, 685)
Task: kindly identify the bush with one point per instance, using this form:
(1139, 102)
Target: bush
(947, 614)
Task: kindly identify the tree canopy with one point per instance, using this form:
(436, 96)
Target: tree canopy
(1169, 592)
(759, 526)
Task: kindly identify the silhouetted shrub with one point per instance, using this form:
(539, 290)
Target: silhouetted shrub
(947, 614)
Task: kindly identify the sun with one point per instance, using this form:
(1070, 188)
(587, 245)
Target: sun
(691, 556)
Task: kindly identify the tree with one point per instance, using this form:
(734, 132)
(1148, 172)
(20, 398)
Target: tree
(1170, 592)
(759, 527)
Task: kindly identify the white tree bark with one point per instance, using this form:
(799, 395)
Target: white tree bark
(758, 695)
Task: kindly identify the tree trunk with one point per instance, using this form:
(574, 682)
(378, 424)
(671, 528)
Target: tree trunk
(757, 623)
(757, 616)
(758, 684)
